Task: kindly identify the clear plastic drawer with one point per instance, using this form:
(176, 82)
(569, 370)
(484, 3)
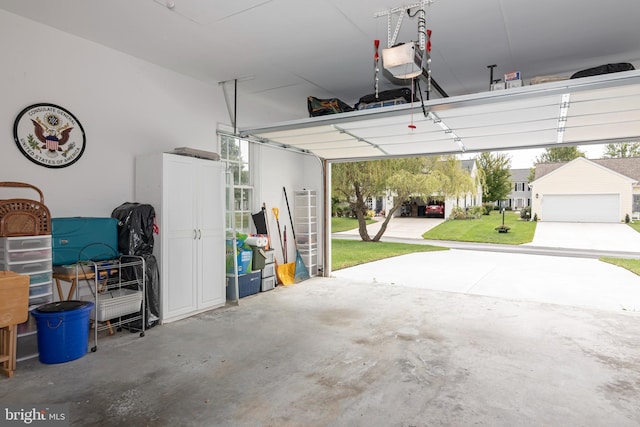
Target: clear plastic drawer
(39, 278)
(31, 267)
(27, 256)
(28, 243)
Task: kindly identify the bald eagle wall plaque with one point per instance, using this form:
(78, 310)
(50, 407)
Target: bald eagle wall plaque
(49, 135)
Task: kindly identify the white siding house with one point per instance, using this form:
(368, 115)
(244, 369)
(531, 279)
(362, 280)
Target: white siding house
(585, 190)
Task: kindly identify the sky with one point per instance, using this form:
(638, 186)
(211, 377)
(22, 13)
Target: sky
(524, 159)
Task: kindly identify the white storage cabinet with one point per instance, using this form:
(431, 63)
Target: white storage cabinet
(188, 196)
(29, 255)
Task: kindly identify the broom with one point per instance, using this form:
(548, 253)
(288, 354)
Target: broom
(286, 271)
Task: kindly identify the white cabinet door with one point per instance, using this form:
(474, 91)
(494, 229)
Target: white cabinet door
(210, 220)
(179, 257)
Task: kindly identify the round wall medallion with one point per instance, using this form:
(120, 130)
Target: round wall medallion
(49, 135)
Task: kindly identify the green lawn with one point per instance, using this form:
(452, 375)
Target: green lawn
(482, 230)
(635, 226)
(345, 224)
(347, 253)
(633, 265)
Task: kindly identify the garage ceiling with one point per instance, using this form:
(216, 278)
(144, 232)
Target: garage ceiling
(281, 51)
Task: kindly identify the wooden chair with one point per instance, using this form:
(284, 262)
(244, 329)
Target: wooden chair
(14, 309)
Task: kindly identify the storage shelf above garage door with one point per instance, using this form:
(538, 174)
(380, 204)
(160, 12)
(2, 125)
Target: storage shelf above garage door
(589, 110)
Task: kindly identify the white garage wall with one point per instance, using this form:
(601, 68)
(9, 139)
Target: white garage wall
(127, 107)
(301, 172)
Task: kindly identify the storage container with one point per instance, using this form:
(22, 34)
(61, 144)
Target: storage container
(268, 283)
(116, 303)
(63, 330)
(248, 284)
(269, 270)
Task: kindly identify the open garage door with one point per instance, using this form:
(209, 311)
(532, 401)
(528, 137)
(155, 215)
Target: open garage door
(581, 208)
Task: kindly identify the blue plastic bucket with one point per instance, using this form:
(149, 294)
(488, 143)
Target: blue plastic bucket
(63, 330)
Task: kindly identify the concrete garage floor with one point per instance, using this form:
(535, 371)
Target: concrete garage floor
(340, 352)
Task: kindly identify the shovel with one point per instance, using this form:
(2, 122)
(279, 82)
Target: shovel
(285, 272)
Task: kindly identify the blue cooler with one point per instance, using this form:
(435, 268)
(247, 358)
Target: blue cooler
(63, 330)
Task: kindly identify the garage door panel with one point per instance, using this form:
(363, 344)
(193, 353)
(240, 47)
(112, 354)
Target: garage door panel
(581, 208)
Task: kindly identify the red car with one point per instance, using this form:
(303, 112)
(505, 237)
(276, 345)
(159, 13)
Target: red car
(435, 211)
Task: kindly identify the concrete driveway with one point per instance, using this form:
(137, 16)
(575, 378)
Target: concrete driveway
(580, 282)
(600, 236)
(399, 227)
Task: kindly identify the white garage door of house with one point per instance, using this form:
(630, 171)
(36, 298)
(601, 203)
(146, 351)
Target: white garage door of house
(581, 208)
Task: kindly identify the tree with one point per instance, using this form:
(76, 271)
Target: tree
(457, 182)
(496, 177)
(404, 178)
(622, 149)
(559, 154)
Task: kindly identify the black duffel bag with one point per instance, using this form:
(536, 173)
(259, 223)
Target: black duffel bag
(322, 107)
(604, 69)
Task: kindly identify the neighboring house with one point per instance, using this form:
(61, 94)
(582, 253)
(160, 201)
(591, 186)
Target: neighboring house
(520, 195)
(470, 199)
(582, 190)
(417, 207)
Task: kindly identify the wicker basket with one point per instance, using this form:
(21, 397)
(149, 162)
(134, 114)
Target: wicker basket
(24, 217)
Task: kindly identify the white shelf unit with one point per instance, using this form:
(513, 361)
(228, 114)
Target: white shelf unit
(29, 255)
(306, 228)
(118, 291)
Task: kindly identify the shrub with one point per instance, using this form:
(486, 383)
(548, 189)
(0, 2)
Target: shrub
(535, 217)
(627, 220)
(503, 228)
(476, 212)
(525, 213)
(458, 213)
(488, 207)
(508, 208)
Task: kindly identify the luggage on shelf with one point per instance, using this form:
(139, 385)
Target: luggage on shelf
(604, 69)
(386, 98)
(322, 107)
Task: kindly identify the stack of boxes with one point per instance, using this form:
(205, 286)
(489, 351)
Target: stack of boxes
(511, 80)
(256, 272)
(268, 268)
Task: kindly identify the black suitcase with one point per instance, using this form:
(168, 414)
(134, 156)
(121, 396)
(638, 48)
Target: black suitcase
(604, 69)
(386, 98)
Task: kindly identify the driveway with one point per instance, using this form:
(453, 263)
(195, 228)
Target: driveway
(399, 227)
(580, 282)
(598, 236)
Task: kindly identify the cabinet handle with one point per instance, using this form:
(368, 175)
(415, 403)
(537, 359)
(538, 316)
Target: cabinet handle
(199, 234)
(195, 234)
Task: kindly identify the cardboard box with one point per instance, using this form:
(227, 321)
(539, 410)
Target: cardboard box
(14, 298)
(514, 75)
(514, 83)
